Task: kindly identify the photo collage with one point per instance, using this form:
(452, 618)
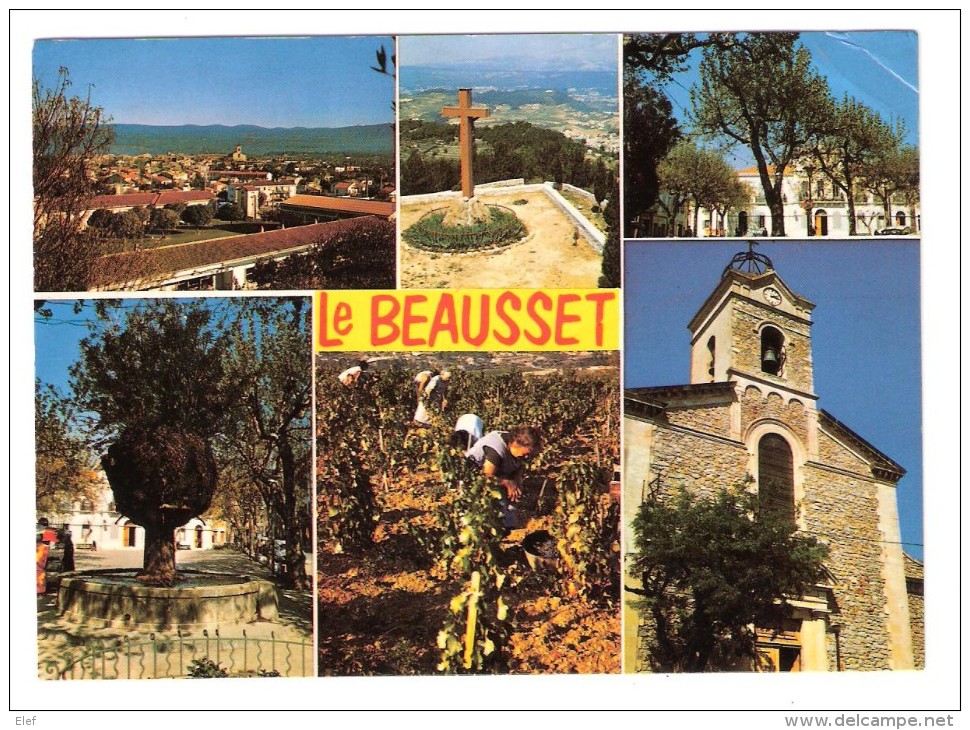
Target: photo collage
(518, 354)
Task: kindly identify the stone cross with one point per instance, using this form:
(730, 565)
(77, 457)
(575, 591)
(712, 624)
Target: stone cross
(467, 114)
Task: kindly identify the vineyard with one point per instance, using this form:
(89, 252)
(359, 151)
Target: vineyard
(416, 574)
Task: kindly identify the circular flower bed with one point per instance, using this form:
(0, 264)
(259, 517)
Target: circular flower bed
(501, 228)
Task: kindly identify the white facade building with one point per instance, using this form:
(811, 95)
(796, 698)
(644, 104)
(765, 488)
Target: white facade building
(813, 207)
(97, 526)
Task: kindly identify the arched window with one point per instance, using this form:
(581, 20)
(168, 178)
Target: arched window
(772, 350)
(776, 476)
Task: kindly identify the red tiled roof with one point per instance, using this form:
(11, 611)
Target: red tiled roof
(157, 199)
(340, 205)
(240, 173)
(183, 196)
(121, 201)
(158, 264)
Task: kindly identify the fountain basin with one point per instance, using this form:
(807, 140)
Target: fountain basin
(116, 599)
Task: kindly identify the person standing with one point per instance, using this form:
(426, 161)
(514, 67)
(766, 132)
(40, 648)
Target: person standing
(67, 559)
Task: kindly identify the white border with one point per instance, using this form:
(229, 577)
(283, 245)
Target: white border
(936, 689)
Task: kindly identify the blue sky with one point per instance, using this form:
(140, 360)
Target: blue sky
(879, 68)
(865, 336)
(536, 52)
(269, 82)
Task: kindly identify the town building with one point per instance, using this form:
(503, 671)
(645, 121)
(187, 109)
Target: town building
(303, 209)
(748, 416)
(215, 264)
(156, 199)
(256, 197)
(97, 525)
(813, 207)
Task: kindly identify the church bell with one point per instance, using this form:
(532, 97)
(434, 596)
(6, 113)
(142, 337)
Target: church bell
(769, 360)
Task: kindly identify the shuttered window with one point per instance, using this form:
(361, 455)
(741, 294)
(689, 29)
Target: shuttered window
(776, 477)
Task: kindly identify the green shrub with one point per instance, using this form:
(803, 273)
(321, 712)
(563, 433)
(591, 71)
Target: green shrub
(205, 669)
(502, 229)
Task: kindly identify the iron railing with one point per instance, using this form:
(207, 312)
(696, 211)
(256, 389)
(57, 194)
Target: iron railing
(171, 656)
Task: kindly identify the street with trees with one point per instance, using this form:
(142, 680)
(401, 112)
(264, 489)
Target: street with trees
(762, 94)
(850, 142)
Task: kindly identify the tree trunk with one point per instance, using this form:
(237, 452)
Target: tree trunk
(296, 576)
(777, 208)
(159, 562)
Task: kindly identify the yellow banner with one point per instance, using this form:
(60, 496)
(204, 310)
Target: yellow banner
(467, 319)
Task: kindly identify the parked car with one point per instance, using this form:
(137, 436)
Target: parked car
(895, 231)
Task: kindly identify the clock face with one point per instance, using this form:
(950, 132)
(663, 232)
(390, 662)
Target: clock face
(772, 296)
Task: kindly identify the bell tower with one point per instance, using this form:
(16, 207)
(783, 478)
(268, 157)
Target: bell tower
(753, 328)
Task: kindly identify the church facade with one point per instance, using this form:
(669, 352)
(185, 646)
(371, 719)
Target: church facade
(749, 415)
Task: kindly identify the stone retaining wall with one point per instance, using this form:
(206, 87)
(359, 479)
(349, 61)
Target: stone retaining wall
(587, 231)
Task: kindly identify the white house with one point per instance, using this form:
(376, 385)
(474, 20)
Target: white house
(96, 525)
(813, 207)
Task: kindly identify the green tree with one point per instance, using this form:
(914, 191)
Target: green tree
(154, 377)
(763, 93)
(851, 140)
(197, 215)
(127, 224)
(164, 219)
(69, 134)
(353, 254)
(231, 212)
(896, 171)
(680, 176)
(102, 219)
(718, 188)
(66, 470)
(269, 433)
(714, 569)
(610, 271)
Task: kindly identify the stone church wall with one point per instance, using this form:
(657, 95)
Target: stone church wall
(755, 406)
(833, 453)
(703, 464)
(712, 419)
(699, 462)
(843, 511)
(798, 365)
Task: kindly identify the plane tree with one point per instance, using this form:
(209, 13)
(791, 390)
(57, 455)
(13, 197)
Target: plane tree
(268, 437)
(851, 140)
(761, 92)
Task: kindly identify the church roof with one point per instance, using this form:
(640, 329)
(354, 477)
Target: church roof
(653, 401)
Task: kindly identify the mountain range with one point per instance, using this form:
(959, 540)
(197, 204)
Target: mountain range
(193, 139)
